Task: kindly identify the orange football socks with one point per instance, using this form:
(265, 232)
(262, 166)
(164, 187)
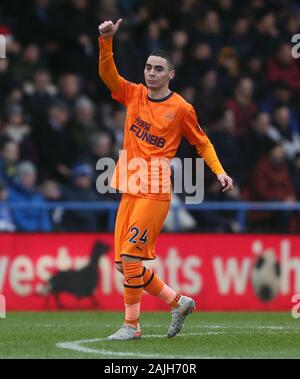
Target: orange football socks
(152, 283)
(133, 289)
(156, 287)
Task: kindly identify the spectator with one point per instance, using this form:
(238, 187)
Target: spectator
(84, 123)
(270, 179)
(284, 67)
(25, 66)
(266, 34)
(153, 39)
(39, 95)
(185, 222)
(38, 17)
(201, 60)
(281, 95)
(69, 89)
(254, 68)
(6, 80)
(75, 45)
(6, 220)
(57, 150)
(243, 105)
(282, 132)
(255, 144)
(52, 192)
(9, 155)
(226, 12)
(179, 39)
(227, 144)
(17, 130)
(108, 9)
(117, 125)
(218, 221)
(189, 94)
(187, 13)
(179, 45)
(240, 37)
(128, 55)
(29, 219)
(208, 30)
(14, 96)
(208, 98)
(101, 146)
(271, 182)
(290, 25)
(81, 188)
(229, 67)
(127, 6)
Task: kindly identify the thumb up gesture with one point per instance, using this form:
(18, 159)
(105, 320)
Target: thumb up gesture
(108, 28)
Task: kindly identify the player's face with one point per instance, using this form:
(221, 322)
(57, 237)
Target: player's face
(157, 72)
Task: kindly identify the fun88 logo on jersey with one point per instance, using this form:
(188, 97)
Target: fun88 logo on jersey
(2, 306)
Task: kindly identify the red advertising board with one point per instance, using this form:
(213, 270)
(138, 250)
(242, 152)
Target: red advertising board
(214, 269)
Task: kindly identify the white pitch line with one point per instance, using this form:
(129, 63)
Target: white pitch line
(250, 327)
(245, 328)
(76, 346)
(194, 326)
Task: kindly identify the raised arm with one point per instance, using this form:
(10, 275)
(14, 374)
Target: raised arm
(107, 68)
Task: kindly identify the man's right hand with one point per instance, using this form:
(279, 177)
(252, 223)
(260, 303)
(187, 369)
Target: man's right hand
(108, 28)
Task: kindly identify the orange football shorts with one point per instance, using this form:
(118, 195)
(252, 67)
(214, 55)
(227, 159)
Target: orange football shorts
(139, 221)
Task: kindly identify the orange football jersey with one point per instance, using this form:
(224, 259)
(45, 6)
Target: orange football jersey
(152, 134)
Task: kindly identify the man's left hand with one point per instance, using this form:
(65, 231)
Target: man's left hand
(226, 182)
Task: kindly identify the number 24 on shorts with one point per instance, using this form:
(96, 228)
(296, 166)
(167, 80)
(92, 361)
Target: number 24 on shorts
(136, 232)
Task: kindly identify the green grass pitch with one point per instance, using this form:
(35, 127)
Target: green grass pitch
(204, 335)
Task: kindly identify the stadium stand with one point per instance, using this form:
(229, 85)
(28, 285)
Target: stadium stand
(233, 62)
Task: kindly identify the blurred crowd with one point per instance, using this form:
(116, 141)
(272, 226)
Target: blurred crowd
(233, 63)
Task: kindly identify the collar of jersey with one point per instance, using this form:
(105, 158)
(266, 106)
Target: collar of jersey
(162, 99)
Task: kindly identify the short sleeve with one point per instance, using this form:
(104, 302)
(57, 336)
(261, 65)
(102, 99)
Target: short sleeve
(191, 128)
(127, 92)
